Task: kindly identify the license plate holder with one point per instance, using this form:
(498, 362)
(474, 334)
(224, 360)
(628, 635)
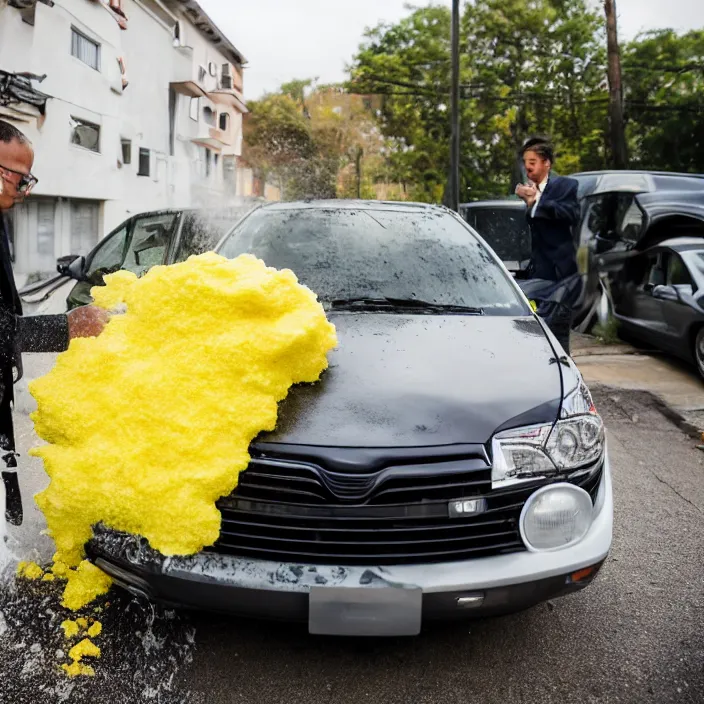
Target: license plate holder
(359, 611)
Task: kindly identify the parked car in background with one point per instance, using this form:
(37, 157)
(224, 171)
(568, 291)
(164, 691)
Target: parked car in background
(626, 215)
(503, 225)
(444, 466)
(621, 211)
(139, 243)
(658, 298)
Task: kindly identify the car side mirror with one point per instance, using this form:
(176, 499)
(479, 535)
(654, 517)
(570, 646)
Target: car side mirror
(666, 293)
(75, 268)
(63, 263)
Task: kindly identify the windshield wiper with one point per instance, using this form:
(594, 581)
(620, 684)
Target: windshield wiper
(386, 303)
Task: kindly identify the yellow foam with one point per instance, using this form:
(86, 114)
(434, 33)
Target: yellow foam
(70, 628)
(78, 669)
(95, 629)
(85, 648)
(150, 423)
(30, 570)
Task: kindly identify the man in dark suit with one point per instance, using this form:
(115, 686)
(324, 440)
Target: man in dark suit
(552, 212)
(41, 333)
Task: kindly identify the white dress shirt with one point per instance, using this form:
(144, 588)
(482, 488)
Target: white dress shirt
(541, 188)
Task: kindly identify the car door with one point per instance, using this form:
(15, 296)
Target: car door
(141, 243)
(638, 311)
(106, 258)
(678, 316)
(150, 242)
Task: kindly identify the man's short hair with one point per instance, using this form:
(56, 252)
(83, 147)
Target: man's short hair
(541, 146)
(9, 133)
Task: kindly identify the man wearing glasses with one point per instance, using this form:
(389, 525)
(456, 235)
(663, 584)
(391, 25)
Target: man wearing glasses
(42, 333)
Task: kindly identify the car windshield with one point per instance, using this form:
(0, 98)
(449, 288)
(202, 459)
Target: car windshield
(357, 253)
(505, 230)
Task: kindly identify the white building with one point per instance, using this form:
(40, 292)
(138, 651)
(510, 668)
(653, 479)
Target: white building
(144, 112)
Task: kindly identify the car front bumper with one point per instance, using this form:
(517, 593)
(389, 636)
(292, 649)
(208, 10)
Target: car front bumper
(482, 587)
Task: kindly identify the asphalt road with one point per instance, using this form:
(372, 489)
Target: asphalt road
(636, 635)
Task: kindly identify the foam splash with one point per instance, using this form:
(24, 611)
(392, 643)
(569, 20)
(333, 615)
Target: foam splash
(150, 423)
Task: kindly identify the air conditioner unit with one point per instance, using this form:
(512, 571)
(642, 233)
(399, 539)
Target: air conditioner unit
(212, 69)
(202, 73)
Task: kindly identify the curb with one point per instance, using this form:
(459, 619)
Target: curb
(677, 418)
(668, 411)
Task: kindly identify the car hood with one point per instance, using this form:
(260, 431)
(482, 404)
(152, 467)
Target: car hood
(422, 380)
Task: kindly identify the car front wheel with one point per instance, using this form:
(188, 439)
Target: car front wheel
(699, 351)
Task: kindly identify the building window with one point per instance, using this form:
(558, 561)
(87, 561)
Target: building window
(85, 49)
(208, 162)
(226, 78)
(126, 151)
(145, 159)
(209, 116)
(194, 109)
(224, 121)
(85, 134)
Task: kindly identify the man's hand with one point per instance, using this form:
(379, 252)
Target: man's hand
(86, 321)
(527, 193)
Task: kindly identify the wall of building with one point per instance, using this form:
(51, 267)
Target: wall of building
(196, 165)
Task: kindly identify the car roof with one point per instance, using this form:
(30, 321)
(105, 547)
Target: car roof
(344, 204)
(636, 172)
(638, 182)
(516, 204)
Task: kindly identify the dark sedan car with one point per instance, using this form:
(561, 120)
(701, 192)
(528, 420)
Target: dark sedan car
(659, 298)
(449, 463)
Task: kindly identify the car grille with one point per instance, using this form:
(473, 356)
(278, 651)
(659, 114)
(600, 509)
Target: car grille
(299, 512)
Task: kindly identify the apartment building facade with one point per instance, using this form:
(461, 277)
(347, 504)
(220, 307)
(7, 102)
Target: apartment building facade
(136, 105)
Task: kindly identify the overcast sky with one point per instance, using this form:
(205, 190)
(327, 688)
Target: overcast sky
(286, 39)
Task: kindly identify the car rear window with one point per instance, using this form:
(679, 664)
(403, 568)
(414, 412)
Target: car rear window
(504, 229)
(358, 253)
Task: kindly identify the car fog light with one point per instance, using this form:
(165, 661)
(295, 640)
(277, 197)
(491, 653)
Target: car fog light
(556, 517)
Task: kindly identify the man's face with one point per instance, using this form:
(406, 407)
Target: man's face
(15, 160)
(537, 168)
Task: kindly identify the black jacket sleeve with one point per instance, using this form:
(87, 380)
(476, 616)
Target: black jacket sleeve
(560, 203)
(42, 333)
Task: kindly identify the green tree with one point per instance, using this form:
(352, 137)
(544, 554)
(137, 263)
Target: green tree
(407, 65)
(280, 143)
(664, 92)
(525, 68)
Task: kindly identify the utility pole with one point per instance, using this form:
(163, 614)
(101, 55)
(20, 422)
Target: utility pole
(358, 170)
(619, 151)
(453, 183)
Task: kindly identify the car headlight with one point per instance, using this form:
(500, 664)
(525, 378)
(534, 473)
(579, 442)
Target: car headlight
(576, 440)
(556, 517)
